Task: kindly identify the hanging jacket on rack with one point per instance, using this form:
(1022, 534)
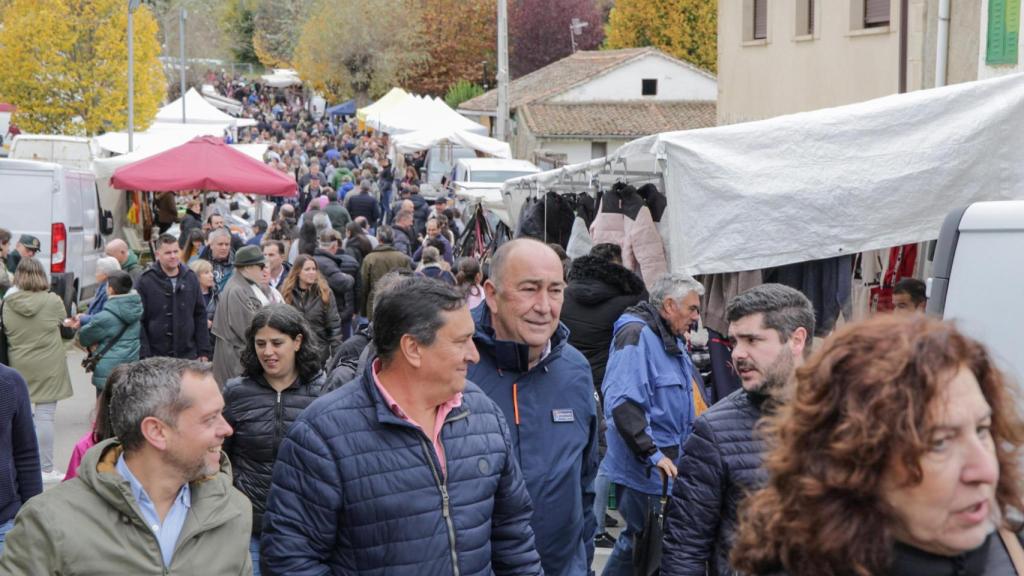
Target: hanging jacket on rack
(654, 199)
(580, 242)
(624, 219)
(547, 221)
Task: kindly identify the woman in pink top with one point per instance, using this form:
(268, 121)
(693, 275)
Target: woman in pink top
(100, 426)
(468, 281)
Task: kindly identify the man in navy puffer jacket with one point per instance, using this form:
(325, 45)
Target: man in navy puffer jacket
(544, 386)
(19, 453)
(407, 470)
(771, 326)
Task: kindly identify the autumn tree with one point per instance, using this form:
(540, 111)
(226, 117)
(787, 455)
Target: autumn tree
(539, 31)
(686, 29)
(455, 52)
(277, 25)
(63, 63)
(360, 48)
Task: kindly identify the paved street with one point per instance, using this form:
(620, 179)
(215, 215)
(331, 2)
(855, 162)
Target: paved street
(74, 415)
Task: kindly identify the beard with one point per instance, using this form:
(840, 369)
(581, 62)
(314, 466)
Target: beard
(775, 375)
(191, 469)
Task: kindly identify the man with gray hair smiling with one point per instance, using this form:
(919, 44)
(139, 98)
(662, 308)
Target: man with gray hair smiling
(652, 393)
(157, 499)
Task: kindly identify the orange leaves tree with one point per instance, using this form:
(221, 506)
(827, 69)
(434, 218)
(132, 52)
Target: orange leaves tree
(686, 29)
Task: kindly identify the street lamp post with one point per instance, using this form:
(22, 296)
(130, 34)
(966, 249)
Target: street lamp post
(133, 5)
(576, 29)
(181, 33)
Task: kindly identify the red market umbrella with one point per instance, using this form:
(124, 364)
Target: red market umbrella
(203, 163)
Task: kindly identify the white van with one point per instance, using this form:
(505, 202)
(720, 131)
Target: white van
(976, 278)
(437, 164)
(59, 206)
(471, 172)
(70, 151)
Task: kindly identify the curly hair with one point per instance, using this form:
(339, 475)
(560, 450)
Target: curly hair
(859, 404)
(286, 320)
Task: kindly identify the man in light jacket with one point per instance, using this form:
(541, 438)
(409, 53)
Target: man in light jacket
(241, 299)
(157, 499)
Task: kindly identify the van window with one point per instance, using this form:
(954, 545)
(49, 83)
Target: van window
(496, 176)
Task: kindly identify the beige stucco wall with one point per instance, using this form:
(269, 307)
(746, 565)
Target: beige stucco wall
(787, 73)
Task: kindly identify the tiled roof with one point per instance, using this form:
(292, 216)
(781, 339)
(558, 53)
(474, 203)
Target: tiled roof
(560, 76)
(630, 119)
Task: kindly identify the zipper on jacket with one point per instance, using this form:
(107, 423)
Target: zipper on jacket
(277, 420)
(442, 486)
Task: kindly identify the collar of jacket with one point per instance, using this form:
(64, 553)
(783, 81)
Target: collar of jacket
(650, 315)
(384, 248)
(210, 502)
(384, 413)
(155, 268)
(513, 356)
(262, 381)
(908, 561)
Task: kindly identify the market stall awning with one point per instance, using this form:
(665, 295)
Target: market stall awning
(395, 97)
(204, 163)
(347, 108)
(198, 111)
(426, 139)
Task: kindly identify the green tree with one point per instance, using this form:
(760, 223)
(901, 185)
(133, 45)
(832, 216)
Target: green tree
(360, 49)
(64, 63)
(277, 25)
(460, 92)
(686, 29)
(238, 20)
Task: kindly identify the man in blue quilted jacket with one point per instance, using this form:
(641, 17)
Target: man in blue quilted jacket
(770, 326)
(544, 386)
(407, 470)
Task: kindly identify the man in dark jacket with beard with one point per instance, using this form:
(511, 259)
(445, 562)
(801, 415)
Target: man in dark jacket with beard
(600, 289)
(174, 312)
(332, 265)
(771, 326)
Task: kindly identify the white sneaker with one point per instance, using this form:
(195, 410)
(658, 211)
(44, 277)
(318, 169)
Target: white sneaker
(53, 477)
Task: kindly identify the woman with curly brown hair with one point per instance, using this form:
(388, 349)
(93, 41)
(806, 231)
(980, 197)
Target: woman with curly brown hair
(898, 454)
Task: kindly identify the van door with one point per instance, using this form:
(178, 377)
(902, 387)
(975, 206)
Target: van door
(25, 197)
(92, 241)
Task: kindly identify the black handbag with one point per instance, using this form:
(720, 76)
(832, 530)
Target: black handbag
(91, 360)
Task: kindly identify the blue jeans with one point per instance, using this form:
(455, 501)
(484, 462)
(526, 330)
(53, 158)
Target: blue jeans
(634, 507)
(601, 486)
(254, 550)
(4, 529)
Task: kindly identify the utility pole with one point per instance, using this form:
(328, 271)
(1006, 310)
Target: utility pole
(575, 29)
(184, 15)
(502, 112)
(133, 5)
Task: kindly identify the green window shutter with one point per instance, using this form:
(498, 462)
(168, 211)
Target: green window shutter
(1003, 32)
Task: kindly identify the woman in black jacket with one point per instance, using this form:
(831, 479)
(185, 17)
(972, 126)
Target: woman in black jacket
(306, 290)
(282, 376)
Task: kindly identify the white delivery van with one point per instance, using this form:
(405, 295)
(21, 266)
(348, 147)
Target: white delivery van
(70, 151)
(60, 206)
(976, 278)
(471, 172)
(437, 164)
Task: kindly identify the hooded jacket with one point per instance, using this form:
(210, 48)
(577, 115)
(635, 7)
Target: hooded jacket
(31, 321)
(554, 437)
(343, 284)
(120, 311)
(132, 266)
(235, 310)
(625, 220)
(91, 526)
(173, 317)
(599, 292)
(721, 463)
(261, 417)
(648, 399)
(357, 490)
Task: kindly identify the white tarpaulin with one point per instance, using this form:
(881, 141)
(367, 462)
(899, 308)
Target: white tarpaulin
(831, 182)
(198, 111)
(282, 78)
(160, 135)
(418, 113)
(426, 139)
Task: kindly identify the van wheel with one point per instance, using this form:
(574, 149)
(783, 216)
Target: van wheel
(71, 301)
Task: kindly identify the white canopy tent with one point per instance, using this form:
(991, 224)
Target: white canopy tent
(395, 97)
(426, 139)
(199, 111)
(221, 102)
(161, 136)
(281, 78)
(824, 183)
(402, 115)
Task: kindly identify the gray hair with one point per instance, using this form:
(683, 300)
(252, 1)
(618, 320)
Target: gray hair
(674, 287)
(322, 221)
(218, 232)
(365, 184)
(385, 234)
(107, 264)
(784, 309)
(150, 388)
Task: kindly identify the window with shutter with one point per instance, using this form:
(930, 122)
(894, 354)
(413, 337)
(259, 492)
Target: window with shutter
(876, 13)
(760, 19)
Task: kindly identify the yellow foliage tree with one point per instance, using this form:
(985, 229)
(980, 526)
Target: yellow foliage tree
(686, 29)
(64, 64)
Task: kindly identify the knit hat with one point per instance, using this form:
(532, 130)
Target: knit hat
(249, 256)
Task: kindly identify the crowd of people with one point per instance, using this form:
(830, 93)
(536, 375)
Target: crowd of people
(344, 393)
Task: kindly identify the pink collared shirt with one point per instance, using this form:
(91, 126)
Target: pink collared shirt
(442, 412)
